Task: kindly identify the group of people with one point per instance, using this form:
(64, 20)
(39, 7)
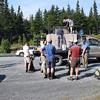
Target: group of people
(47, 58)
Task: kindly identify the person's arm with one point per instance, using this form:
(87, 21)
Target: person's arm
(69, 54)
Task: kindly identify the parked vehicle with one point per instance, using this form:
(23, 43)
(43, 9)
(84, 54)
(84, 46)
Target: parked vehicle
(32, 50)
(61, 39)
(94, 50)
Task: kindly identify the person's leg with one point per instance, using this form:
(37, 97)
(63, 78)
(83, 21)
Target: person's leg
(77, 68)
(44, 69)
(68, 63)
(86, 60)
(83, 61)
(48, 73)
(32, 69)
(29, 62)
(77, 71)
(71, 72)
(41, 60)
(53, 69)
(73, 64)
(48, 69)
(26, 64)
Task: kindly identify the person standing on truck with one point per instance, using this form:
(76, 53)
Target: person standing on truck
(50, 59)
(85, 51)
(75, 52)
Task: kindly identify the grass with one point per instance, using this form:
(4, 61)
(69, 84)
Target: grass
(97, 36)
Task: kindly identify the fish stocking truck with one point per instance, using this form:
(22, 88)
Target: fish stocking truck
(60, 39)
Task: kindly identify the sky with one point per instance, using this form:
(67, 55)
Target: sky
(30, 7)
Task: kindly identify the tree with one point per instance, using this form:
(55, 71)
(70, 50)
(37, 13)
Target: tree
(1, 19)
(19, 23)
(38, 22)
(91, 21)
(77, 7)
(95, 16)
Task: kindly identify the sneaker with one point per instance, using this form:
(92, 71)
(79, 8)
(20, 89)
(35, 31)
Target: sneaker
(50, 78)
(70, 78)
(45, 76)
(77, 78)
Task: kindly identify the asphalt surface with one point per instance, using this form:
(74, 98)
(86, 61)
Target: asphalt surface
(15, 84)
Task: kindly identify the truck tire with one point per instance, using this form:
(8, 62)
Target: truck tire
(58, 60)
(21, 54)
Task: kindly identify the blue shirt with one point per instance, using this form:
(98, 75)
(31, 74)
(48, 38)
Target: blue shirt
(85, 45)
(49, 52)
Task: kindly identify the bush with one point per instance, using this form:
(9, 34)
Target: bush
(5, 46)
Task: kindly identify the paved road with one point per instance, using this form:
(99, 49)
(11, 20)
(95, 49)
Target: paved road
(17, 85)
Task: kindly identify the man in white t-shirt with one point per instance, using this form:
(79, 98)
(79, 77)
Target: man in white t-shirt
(27, 59)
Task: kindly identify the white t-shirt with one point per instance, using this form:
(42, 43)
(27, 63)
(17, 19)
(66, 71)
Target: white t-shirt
(26, 50)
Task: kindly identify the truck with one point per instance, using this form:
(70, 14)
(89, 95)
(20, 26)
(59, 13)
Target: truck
(60, 39)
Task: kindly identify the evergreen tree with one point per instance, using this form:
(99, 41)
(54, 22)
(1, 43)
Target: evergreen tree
(77, 7)
(45, 21)
(19, 23)
(91, 21)
(63, 15)
(1, 19)
(95, 16)
(68, 11)
(38, 22)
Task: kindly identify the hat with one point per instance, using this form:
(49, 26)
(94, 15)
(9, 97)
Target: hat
(75, 41)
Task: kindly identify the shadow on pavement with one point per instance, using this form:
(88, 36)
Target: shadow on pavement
(2, 77)
(61, 75)
(59, 69)
(8, 65)
(86, 75)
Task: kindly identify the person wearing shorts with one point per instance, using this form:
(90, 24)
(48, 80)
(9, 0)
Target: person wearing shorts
(75, 52)
(27, 59)
(50, 59)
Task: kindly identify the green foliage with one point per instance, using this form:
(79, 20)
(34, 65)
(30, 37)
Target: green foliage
(5, 46)
(97, 36)
(13, 25)
(19, 39)
(24, 39)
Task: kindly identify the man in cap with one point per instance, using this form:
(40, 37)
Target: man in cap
(85, 51)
